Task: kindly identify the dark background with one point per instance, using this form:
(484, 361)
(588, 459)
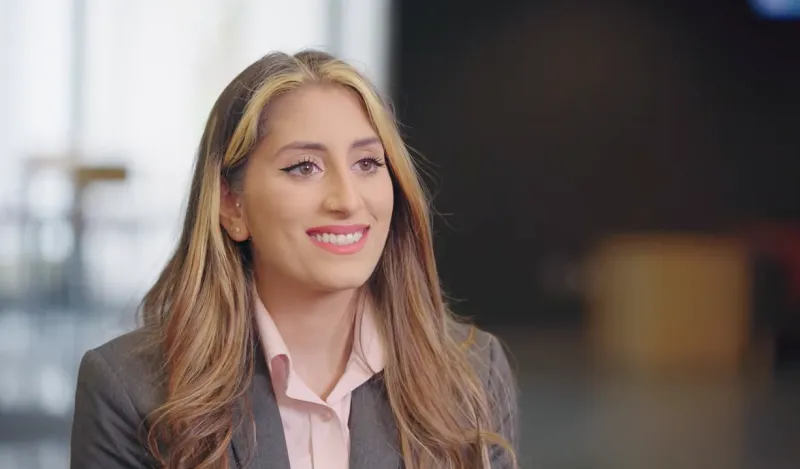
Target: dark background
(550, 124)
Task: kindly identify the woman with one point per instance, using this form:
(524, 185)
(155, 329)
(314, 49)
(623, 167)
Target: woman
(300, 323)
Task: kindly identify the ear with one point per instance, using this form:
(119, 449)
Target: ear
(231, 213)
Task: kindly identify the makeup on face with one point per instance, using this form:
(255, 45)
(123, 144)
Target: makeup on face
(340, 239)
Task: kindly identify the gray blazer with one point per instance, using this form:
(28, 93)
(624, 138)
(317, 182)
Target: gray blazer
(118, 388)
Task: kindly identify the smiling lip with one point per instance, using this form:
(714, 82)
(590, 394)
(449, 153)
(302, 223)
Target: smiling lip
(340, 239)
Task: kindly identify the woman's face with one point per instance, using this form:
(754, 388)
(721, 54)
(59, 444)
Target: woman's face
(317, 198)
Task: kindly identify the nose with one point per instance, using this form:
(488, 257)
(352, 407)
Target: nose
(342, 194)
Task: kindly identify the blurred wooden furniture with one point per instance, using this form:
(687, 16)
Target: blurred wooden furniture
(669, 303)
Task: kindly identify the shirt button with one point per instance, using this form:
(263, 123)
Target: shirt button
(327, 415)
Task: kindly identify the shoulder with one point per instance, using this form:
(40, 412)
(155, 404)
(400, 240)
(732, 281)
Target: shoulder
(480, 345)
(125, 366)
(490, 361)
(484, 351)
(117, 388)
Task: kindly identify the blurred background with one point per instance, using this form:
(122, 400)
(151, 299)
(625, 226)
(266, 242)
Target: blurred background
(624, 211)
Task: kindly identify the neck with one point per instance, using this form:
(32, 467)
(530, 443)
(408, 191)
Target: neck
(316, 327)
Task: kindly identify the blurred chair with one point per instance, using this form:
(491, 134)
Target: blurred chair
(775, 250)
(670, 303)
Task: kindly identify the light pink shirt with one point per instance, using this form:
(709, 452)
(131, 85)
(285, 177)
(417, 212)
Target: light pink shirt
(316, 430)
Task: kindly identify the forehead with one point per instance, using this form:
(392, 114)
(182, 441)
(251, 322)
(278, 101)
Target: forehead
(318, 112)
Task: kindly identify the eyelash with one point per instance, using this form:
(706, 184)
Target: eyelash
(378, 162)
(306, 160)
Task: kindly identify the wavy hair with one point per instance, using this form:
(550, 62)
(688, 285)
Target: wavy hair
(199, 311)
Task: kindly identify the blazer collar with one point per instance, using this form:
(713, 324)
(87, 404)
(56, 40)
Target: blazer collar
(374, 441)
(265, 429)
(373, 431)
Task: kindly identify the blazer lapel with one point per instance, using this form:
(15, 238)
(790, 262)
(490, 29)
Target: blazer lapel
(270, 442)
(374, 439)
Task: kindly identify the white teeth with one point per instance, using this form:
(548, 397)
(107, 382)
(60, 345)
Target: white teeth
(339, 240)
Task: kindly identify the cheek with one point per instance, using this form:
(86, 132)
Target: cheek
(274, 208)
(382, 196)
(384, 199)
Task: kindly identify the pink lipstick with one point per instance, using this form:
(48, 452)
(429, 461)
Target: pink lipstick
(340, 239)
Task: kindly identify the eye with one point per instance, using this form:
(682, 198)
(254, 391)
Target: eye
(369, 164)
(303, 168)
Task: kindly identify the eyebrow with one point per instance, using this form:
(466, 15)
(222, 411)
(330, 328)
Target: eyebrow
(314, 146)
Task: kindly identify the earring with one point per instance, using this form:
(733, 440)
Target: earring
(237, 229)
(238, 204)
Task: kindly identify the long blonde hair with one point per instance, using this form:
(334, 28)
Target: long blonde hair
(199, 311)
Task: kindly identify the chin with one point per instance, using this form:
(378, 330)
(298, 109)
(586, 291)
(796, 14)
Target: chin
(341, 281)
